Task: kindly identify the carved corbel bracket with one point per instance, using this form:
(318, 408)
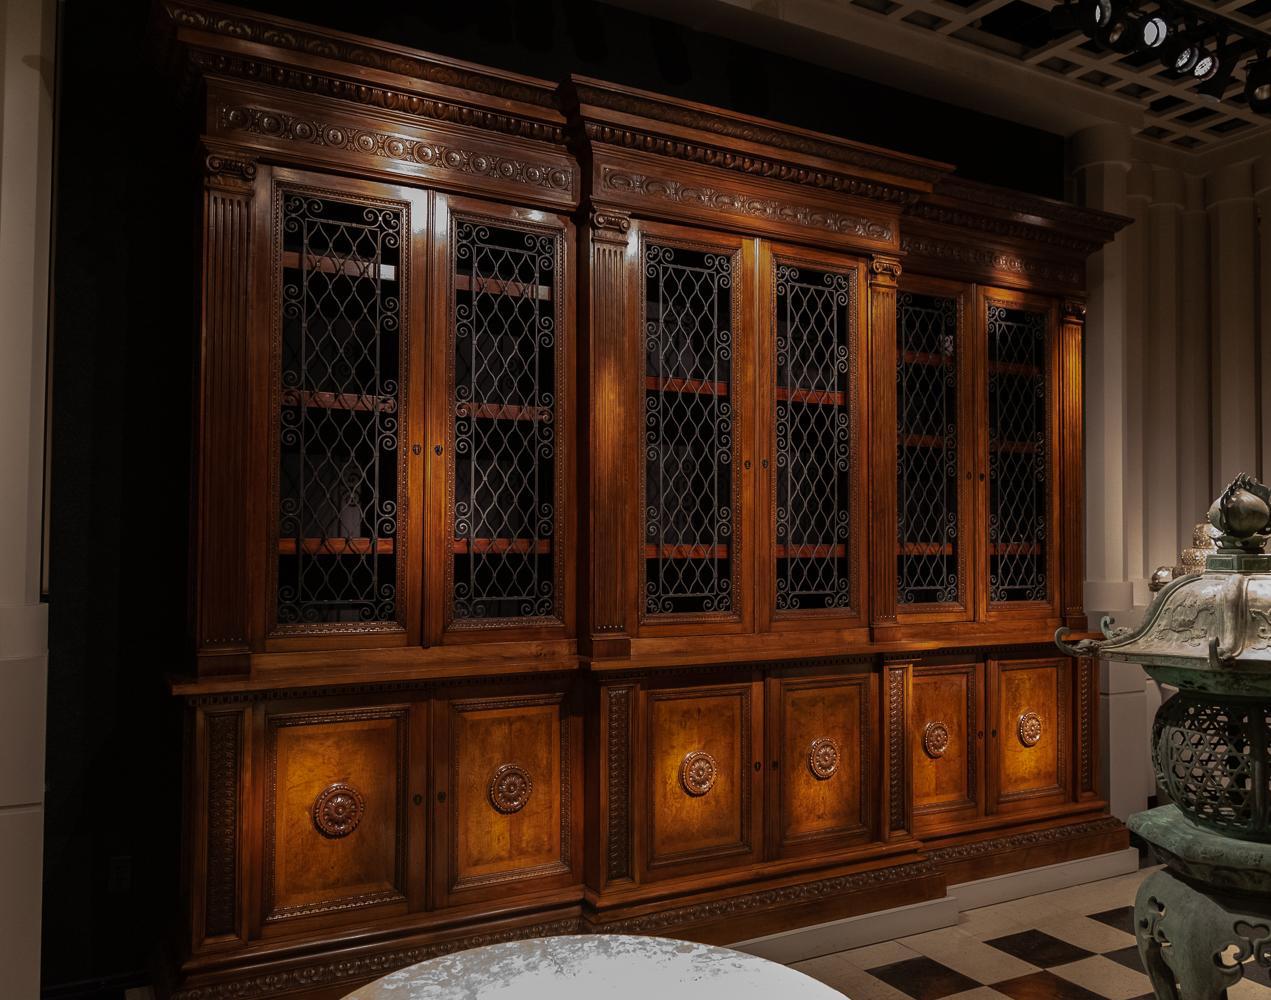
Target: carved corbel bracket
(609, 225)
(1074, 310)
(884, 269)
(228, 167)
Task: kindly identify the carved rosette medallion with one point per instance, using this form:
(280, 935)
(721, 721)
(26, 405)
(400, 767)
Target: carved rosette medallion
(935, 740)
(1029, 728)
(698, 772)
(510, 788)
(338, 810)
(823, 758)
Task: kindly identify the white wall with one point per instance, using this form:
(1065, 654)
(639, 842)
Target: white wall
(27, 45)
(1178, 362)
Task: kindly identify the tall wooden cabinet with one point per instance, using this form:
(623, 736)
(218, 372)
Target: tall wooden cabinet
(610, 514)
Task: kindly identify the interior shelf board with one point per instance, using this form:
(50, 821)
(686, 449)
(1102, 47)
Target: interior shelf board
(1015, 549)
(813, 397)
(1014, 368)
(336, 546)
(923, 441)
(926, 548)
(686, 552)
(502, 411)
(354, 267)
(313, 399)
(808, 550)
(495, 286)
(656, 384)
(927, 358)
(1024, 447)
(501, 546)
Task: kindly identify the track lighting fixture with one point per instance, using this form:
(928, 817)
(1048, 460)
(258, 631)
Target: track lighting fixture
(1258, 83)
(1215, 75)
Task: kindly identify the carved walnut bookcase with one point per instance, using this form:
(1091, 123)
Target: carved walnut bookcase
(611, 514)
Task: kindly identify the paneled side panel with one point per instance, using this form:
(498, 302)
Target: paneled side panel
(943, 744)
(1031, 729)
(335, 811)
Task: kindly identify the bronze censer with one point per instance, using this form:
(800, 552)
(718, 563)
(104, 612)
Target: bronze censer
(1205, 919)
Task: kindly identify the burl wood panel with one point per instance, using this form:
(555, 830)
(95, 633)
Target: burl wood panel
(335, 811)
(1030, 729)
(824, 759)
(699, 774)
(944, 747)
(509, 782)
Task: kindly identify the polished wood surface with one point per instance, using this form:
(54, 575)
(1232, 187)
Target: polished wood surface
(398, 778)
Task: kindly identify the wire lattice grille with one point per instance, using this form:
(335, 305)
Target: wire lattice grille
(927, 449)
(338, 475)
(688, 431)
(1018, 473)
(504, 420)
(815, 311)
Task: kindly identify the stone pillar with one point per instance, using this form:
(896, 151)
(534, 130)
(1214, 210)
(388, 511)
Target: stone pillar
(1196, 485)
(27, 37)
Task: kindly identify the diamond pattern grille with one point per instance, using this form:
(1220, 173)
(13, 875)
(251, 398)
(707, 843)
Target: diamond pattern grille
(927, 467)
(504, 511)
(1018, 473)
(338, 475)
(815, 311)
(688, 433)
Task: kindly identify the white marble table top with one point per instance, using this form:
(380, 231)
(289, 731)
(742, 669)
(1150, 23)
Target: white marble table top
(596, 967)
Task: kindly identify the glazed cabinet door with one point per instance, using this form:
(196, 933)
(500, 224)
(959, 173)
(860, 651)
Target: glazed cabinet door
(821, 747)
(344, 313)
(337, 818)
(1029, 733)
(694, 367)
(1019, 496)
(702, 777)
(506, 770)
(501, 350)
(935, 451)
(947, 745)
(812, 436)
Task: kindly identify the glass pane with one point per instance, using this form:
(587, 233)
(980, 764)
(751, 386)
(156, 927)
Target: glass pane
(815, 311)
(1018, 486)
(927, 449)
(688, 431)
(504, 417)
(337, 518)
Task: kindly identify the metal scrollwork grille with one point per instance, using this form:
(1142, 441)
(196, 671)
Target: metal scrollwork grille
(504, 505)
(689, 490)
(815, 311)
(927, 449)
(338, 412)
(1018, 475)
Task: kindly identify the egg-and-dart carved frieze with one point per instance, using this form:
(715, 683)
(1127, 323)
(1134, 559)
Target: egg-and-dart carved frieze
(988, 258)
(392, 146)
(664, 189)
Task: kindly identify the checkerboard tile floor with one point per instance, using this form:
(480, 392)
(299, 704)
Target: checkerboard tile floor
(1072, 944)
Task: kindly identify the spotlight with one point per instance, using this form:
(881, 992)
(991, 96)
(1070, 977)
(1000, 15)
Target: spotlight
(1258, 84)
(1120, 30)
(1093, 15)
(1154, 31)
(1184, 58)
(1217, 75)
(1206, 67)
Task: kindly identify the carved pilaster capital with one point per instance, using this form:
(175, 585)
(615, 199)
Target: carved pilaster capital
(884, 269)
(228, 167)
(610, 225)
(1074, 310)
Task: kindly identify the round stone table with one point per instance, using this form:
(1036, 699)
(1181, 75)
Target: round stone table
(596, 967)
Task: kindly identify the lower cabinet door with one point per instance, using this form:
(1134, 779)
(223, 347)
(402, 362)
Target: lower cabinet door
(506, 770)
(946, 745)
(1029, 733)
(702, 777)
(822, 747)
(335, 832)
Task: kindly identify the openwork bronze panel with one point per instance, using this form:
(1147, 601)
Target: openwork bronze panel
(815, 316)
(689, 490)
(1018, 462)
(927, 449)
(338, 412)
(505, 506)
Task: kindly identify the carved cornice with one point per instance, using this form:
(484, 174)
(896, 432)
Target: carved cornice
(959, 218)
(771, 209)
(1030, 838)
(1100, 226)
(981, 257)
(347, 137)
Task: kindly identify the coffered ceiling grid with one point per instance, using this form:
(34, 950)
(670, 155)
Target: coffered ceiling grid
(1019, 29)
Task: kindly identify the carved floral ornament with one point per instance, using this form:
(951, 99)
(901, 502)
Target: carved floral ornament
(698, 772)
(338, 810)
(823, 758)
(935, 740)
(510, 788)
(1029, 729)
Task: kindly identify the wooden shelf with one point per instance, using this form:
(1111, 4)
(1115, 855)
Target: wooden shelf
(1017, 447)
(354, 267)
(686, 552)
(493, 286)
(922, 441)
(928, 359)
(813, 397)
(501, 546)
(336, 400)
(1014, 368)
(502, 411)
(1015, 549)
(926, 548)
(811, 551)
(336, 546)
(655, 384)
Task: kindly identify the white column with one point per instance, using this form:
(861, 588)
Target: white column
(1163, 336)
(1137, 387)
(27, 42)
(1196, 486)
(1262, 198)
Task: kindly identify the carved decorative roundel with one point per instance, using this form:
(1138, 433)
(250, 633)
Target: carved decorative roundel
(698, 772)
(510, 788)
(935, 739)
(823, 758)
(1029, 728)
(338, 810)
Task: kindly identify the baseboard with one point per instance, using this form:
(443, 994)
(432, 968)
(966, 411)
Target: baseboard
(804, 943)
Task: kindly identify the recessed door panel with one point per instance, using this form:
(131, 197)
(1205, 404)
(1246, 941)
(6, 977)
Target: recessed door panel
(1030, 731)
(945, 746)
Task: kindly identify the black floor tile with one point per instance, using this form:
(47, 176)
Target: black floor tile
(924, 978)
(1122, 918)
(1044, 986)
(1039, 948)
(1129, 957)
